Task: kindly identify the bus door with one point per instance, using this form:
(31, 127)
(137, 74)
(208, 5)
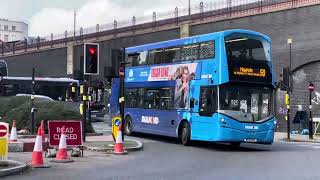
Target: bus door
(203, 120)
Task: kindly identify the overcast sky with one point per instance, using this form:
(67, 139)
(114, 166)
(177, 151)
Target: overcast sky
(46, 16)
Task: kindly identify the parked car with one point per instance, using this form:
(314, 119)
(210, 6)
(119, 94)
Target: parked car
(36, 96)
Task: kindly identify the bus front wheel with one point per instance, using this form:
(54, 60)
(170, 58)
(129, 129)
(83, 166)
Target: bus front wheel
(128, 126)
(185, 134)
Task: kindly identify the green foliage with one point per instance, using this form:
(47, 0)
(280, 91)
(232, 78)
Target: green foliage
(19, 109)
(8, 103)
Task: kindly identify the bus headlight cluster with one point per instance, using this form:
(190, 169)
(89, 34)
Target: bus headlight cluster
(223, 122)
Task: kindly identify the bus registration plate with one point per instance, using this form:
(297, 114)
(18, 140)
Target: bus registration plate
(250, 140)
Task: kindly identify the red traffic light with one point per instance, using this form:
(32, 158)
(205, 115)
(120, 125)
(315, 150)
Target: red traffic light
(92, 51)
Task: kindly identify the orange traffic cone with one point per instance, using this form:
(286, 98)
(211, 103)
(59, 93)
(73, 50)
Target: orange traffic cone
(13, 134)
(43, 132)
(118, 147)
(62, 154)
(37, 156)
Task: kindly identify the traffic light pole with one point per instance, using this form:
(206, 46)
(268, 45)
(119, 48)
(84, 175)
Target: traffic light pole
(89, 100)
(288, 114)
(310, 120)
(84, 98)
(122, 99)
(310, 88)
(32, 101)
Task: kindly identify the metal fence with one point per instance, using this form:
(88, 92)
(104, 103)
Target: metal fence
(220, 10)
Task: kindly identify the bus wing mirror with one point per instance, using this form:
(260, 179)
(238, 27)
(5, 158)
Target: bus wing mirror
(192, 103)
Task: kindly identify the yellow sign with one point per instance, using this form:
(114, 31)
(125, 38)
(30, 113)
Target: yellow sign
(81, 89)
(116, 123)
(243, 71)
(287, 99)
(81, 109)
(4, 130)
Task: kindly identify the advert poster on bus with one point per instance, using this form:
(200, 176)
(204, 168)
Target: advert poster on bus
(163, 73)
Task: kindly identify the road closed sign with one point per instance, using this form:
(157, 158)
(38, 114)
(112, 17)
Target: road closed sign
(73, 132)
(4, 129)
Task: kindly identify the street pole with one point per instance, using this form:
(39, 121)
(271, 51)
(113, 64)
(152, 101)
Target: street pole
(311, 88)
(288, 113)
(74, 24)
(289, 89)
(189, 9)
(310, 120)
(290, 81)
(89, 101)
(121, 99)
(84, 98)
(32, 100)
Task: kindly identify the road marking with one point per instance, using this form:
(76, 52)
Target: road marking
(109, 130)
(309, 146)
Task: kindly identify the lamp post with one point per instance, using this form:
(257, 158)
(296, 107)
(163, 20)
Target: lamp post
(311, 88)
(189, 9)
(289, 88)
(290, 59)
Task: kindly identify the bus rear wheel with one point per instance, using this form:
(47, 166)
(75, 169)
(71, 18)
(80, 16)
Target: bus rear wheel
(185, 134)
(128, 126)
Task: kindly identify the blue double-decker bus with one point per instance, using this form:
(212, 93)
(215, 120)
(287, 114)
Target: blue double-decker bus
(213, 87)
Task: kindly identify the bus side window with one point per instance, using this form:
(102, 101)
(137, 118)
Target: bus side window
(166, 98)
(133, 59)
(155, 56)
(131, 98)
(190, 52)
(206, 50)
(152, 99)
(208, 101)
(171, 54)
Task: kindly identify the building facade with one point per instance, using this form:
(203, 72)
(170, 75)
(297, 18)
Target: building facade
(12, 30)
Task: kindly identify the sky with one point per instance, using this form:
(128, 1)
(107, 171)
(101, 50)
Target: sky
(55, 16)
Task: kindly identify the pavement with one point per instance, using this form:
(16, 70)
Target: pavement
(10, 167)
(282, 136)
(94, 146)
(162, 158)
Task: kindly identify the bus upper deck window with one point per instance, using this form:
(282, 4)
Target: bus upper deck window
(143, 57)
(133, 59)
(241, 47)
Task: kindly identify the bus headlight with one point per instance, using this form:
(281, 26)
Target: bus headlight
(223, 122)
(275, 122)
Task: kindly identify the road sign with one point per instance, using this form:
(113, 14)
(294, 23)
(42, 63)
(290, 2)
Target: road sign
(311, 87)
(116, 122)
(73, 132)
(4, 129)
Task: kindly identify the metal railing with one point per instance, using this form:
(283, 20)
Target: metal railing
(214, 10)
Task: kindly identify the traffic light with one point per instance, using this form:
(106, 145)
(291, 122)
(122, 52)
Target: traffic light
(91, 58)
(286, 78)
